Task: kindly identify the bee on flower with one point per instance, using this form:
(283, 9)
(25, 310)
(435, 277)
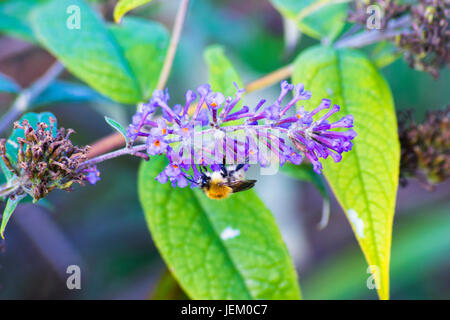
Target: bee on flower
(201, 143)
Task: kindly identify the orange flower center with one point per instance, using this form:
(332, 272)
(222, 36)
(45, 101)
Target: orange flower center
(164, 131)
(185, 129)
(214, 104)
(157, 143)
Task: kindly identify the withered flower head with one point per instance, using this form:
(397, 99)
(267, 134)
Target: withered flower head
(389, 8)
(45, 161)
(427, 47)
(425, 147)
(426, 41)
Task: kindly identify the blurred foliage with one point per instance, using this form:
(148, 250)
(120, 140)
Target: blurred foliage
(104, 230)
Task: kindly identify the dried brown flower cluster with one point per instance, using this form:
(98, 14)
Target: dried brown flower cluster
(425, 153)
(44, 162)
(426, 42)
(427, 47)
(389, 8)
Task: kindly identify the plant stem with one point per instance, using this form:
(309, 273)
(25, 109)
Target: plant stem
(105, 144)
(27, 95)
(394, 28)
(269, 79)
(114, 154)
(176, 32)
(6, 189)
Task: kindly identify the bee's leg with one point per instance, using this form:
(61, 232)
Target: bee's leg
(202, 167)
(223, 168)
(241, 165)
(190, 178)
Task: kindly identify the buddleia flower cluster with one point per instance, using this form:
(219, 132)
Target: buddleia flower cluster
(210, 130)
(45, 161)
(425, 152)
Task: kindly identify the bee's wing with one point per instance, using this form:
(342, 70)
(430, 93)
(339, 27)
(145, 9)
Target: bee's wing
(241, 185)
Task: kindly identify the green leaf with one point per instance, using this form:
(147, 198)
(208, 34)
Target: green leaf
(384, 54)
(123, 6)
(118, 127)
(90, 52)
(14, 18)
(9, 209)
(316, 18)
(227, 249)
(365, 181)
(144, 44)
(222, 74)
(8, 85)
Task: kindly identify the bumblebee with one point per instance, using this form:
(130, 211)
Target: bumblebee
(220, 184)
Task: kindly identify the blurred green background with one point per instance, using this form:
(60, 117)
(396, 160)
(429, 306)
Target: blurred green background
(102, 228)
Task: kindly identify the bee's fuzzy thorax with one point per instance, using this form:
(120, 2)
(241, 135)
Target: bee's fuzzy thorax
(216, 177)
(217, 191)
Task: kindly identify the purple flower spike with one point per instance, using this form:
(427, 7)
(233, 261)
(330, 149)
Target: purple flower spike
(207, 138)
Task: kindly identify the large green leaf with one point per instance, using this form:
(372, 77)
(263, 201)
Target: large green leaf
(123, 6)
(228, 249)
(123, 63)
(365, 181)
(316, 18)
(90, 52)
(14, 18)
(222, 73)
(144, 44)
